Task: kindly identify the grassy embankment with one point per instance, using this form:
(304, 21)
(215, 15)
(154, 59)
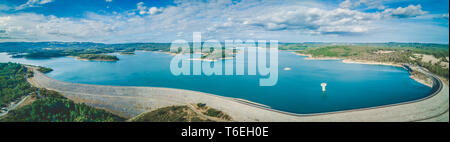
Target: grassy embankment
(398, 55)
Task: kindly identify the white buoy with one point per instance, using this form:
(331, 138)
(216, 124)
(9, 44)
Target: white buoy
(287, 69)
(323, 86)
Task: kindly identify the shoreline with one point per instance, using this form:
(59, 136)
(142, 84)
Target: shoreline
(351, 61)
(132, 101)
(348, 61)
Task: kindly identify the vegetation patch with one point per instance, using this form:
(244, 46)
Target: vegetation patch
(216, 113)
(182, 114)
(212, 112)
(45, 69)
(201, 105)
(13, 84)
(171, 114)
(100, 57)
(421, 76)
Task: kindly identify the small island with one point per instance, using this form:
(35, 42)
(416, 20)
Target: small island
(221, 55)
(98, 57)
(126, 53)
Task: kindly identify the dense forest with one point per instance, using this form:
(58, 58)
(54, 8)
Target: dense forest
(13, 84)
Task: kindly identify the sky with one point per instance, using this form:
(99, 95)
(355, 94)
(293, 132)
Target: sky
(130, 21)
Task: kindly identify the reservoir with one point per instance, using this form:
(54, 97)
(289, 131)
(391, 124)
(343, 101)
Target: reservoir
(298, 90)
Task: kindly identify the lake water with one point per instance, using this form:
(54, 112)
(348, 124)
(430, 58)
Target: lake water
(298, 90)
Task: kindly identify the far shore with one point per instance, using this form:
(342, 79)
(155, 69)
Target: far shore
(350, 61)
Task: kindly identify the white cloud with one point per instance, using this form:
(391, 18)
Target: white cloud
(33, 3)
(405, 12)
(142, 9)
(216, 19)
(30, 26)
(346, 4)
(369, 4)
(445, 16)
(314, 20)
(108, 0)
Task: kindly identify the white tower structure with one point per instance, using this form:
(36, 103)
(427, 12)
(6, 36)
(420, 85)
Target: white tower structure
(323, 86)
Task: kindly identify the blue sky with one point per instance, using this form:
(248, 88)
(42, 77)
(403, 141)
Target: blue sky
(123, 21)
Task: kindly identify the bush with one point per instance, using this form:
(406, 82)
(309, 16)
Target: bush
(216, 113)
(201, 105)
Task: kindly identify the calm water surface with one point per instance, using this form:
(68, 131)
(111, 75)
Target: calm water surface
(298, 90)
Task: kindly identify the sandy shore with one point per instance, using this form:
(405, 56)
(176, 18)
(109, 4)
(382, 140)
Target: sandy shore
(131, 101)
